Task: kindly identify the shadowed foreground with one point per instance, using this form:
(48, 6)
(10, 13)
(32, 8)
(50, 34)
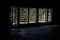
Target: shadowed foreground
(34, 33)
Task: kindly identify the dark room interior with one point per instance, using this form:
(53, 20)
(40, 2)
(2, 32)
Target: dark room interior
(32, 27)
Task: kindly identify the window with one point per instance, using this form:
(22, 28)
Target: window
(23, 15)
(13, 15)
(29, 15)
(42, 15)
(49, 15)
(45, 15)
(32, 15)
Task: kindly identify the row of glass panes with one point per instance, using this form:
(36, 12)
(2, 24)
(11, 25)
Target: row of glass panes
(23, 18)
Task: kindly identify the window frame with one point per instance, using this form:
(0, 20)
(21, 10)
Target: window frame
(37, 23)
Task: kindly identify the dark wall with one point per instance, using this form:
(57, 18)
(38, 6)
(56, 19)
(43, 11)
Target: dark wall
(5, 19)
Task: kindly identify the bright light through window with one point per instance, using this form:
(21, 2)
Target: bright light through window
(42, 15)
(32, 15)
(29, 15)
(23, 15)
(13, 15)
(49, 15)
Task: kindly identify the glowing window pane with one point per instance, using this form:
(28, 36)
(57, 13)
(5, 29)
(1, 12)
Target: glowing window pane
(32, 15)
(13, 15)
(23, 15)
(42, 16)
(49, 15)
